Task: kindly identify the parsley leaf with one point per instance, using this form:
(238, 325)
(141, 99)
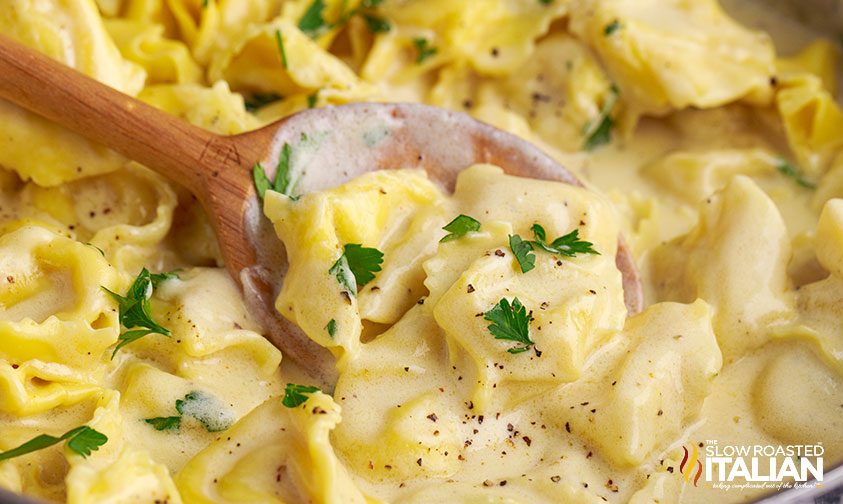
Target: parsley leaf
(134, 308)
(85, 440)
(82, 440)
(356, 266)
(207, 409)
(283, 177)
(461, 225)
(312, 23)
(295, 395)
(789, 170)
(612, 27)
(258, 100)
(344, 276)
(510, 322)
(280, 41)
(331, 328)
(377, 24)
(171, 423)
(424, 49)
(523, 253)
(598, 131)
(311, 99)
(262, 183)
(568, 245)
(363, 262)
(157, 278)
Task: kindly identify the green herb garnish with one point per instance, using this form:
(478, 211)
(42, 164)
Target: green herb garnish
(345, 277)
(598, 131)
(331, 327)
(283, 177)
(523, 252)
(311, 99)
(165, 423)
(258, 100)
(295, 395)
(423, 49)
(99, 249)
(280, 41)
(356, 266)
(510, 322)
(612, 27)
(134, 309)
(568, 245)
(377, 24)
(312, 23)
(789, 170)
(205, 408)
(461, 225)
(82, 440)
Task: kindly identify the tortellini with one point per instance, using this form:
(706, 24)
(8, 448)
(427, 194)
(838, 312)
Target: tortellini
(399, 213)
(676, 54)
(736, 259)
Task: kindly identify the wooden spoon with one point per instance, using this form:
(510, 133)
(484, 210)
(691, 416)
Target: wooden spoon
(218, 169)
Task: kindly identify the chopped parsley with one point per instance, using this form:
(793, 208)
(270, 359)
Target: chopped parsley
(258, 100)
(312, 23)
(344, 276)
(100, 250)
(510, 322)
(612, 27)
(282, 181)
(523, 252)
(377, 24)
(356, 266)
(296, 395)
(331, 327)
(789, 170)
(280, 41)
(205, 408)
(134, 308)
(598, 131)
(568, 245)
(311, 99)
(171, 423)
(545, 2)
(461, 225)
(82, 440)
(423, 49)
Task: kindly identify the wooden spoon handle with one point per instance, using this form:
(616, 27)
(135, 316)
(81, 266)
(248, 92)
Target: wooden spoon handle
(136, 130)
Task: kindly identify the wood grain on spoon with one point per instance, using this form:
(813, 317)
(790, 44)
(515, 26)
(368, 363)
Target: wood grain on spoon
(218, 169)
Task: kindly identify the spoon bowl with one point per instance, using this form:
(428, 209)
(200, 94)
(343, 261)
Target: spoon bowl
(352, 139)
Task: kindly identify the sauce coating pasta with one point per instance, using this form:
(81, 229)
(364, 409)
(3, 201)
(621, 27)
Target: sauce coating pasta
(712, 147)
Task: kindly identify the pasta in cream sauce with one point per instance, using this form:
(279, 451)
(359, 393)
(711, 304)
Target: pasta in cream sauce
(713, 146)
